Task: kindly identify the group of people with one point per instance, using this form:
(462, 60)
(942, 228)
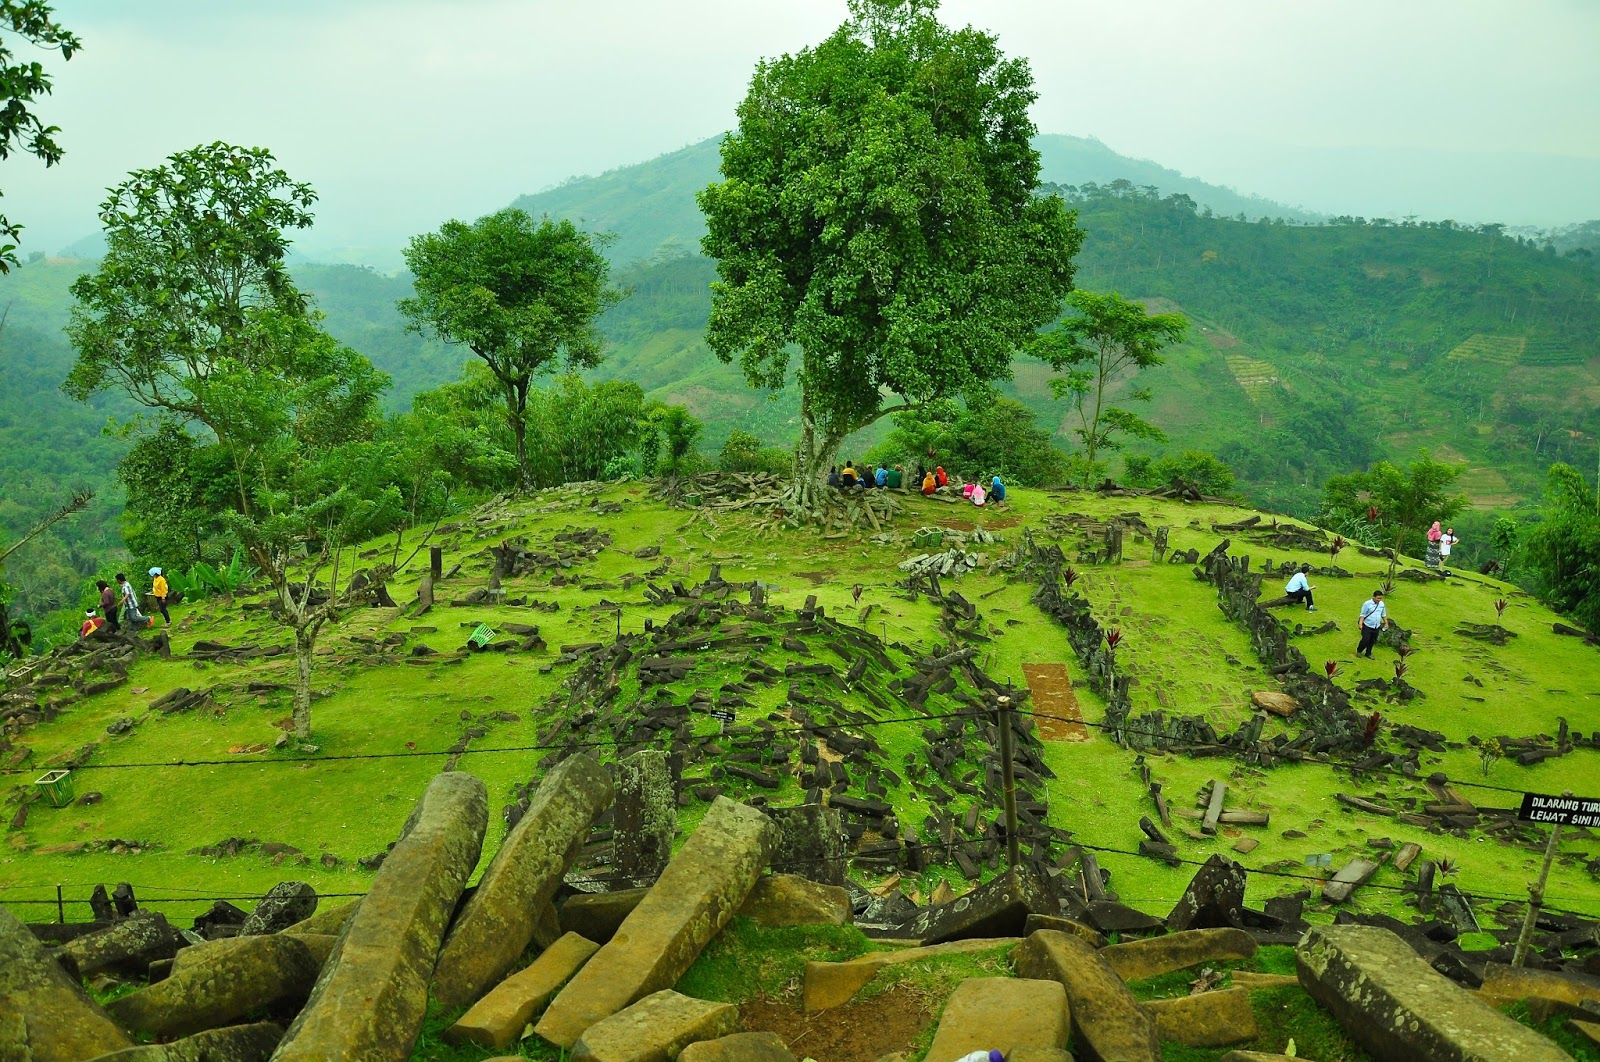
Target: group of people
(1374, 615)
(120, 604)
(1439, 545)
(933, 481)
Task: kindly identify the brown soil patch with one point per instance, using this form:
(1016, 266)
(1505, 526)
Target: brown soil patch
(814, 578)
(1053, 696)
(856, 1032)
(963, 526)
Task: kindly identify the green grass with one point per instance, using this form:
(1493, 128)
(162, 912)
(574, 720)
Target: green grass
(747, 961)
(1184, 655)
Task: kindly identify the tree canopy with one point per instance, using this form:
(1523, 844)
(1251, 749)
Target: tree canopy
(1563, 547)
(21, 85)
(878, 216)
(1388, 504)
(522, 295)
(1104, 339)
(193, 279)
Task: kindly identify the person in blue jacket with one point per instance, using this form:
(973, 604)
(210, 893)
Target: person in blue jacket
(997, 490)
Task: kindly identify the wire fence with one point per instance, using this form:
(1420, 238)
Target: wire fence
(941, 850)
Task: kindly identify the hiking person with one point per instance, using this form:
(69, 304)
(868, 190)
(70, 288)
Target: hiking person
(158, 592)
(930, 484)
(833, 476)
(91, 623)
(1434, 535)
(1374, 618)
(997, 490)
(108, 605)
(1447, 542)
(1298, 589)
(896, 478)
(130, 604)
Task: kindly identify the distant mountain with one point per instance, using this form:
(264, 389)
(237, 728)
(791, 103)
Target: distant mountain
(651, 206)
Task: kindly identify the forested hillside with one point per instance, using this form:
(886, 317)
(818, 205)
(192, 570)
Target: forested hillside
(1315, 348)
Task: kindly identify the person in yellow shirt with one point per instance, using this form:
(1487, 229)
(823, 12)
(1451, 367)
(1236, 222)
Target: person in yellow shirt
(158, 590)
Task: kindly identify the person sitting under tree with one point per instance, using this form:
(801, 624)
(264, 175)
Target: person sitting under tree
(847, 478)
(896, 478)
(997, 490)
(930, 484)
(1298, 589)
(833, 477)
(91, 623)
(1374, 618)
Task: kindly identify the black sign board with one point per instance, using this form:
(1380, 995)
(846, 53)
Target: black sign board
(1560, 810)
(726, 715)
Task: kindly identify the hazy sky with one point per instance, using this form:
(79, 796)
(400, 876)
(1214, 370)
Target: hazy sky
(402, 114)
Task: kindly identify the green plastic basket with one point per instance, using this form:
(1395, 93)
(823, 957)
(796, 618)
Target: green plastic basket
(481, 635)
(57, 786)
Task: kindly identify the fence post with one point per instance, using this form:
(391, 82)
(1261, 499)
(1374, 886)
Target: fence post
(1008, 780)
(1536, 897)
(436, 562)
(61, 909)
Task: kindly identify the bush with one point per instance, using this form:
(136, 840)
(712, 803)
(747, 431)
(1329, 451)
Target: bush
(1204, 471)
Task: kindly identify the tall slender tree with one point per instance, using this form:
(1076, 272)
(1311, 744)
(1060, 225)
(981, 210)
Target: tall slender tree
(878, 219)
(522, 295)
(1106, 339)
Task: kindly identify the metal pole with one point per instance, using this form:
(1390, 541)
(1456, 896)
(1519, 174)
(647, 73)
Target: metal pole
(1008, 780)
(61, 910)
(1536, 896)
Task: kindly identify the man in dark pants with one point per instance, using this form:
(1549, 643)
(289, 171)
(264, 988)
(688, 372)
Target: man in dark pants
(1374, 618)
(1299, 589)
(108, 606)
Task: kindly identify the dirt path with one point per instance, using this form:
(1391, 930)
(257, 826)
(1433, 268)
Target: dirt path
(1053, 696)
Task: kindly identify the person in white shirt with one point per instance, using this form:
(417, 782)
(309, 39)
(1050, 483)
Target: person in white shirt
(1447, 540)
(1299, 589)
(1374, 618)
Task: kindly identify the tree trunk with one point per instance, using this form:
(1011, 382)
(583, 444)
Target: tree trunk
(814, 454)
(305, 643)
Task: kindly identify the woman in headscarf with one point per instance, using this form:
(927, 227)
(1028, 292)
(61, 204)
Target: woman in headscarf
(1434, 535)
(997, 490)
(978, 495)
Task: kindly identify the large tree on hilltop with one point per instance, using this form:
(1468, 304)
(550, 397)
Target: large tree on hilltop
(878, 217)
(523, 296)
(193, 277)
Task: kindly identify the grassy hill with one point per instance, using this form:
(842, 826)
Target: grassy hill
(198, 804)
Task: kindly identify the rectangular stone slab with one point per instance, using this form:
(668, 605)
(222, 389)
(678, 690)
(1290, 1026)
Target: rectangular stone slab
(494, 928)
(1400, 1009)
(1138, 959)
(1210, 1019)
(706, 882)
(833, 984)
(1350, 876)
(497, 1020)
(1107, 1022)
(984, 1013)
(231, 979)
(998, 908)
(655, 1029)
(372, 995)
(42, 1010)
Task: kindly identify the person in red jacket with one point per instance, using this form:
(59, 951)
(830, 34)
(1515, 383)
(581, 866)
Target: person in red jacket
(91, 623)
